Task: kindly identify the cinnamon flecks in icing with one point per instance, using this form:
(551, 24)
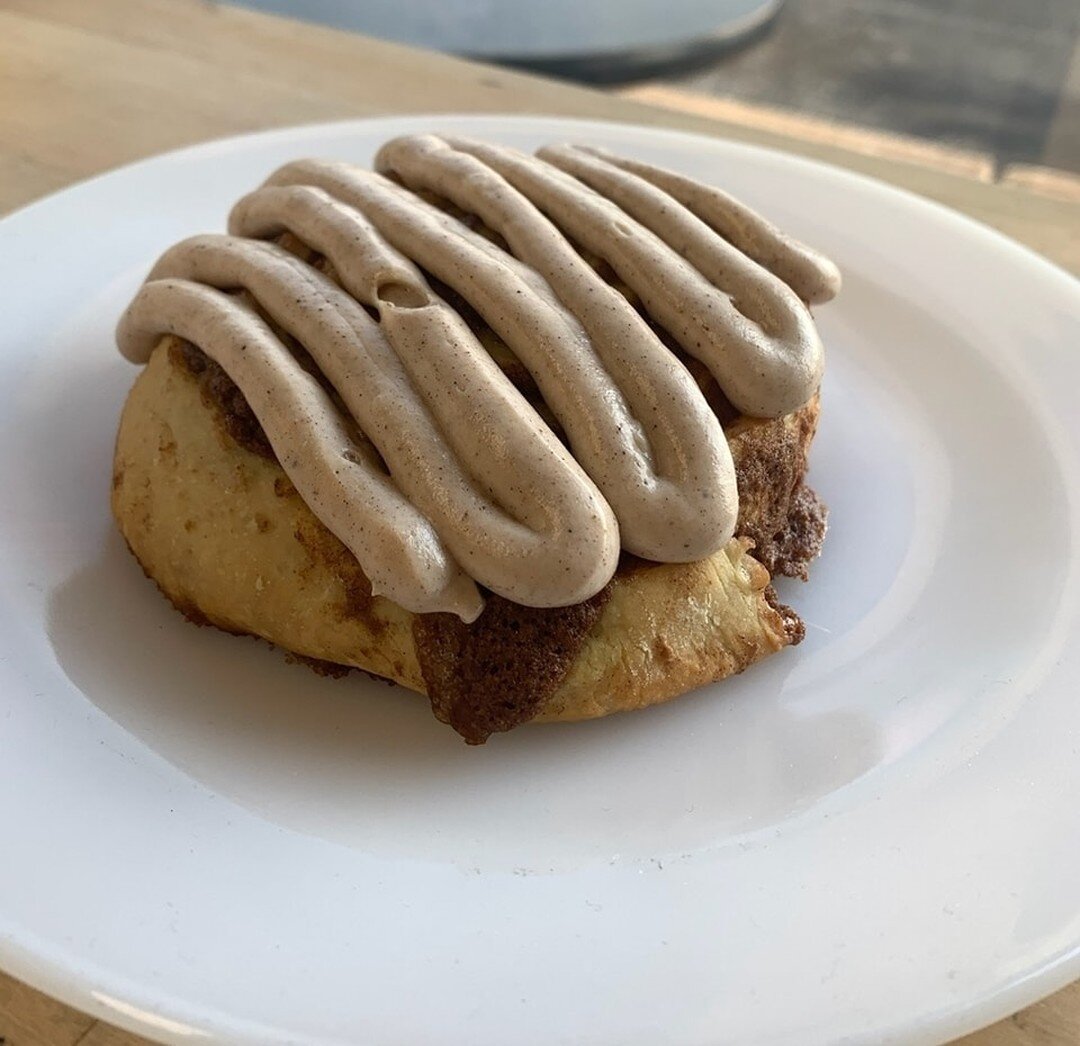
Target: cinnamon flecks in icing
(399, 549)
(536, 524)
(470, 486)
(633, 417)
(751, 329)
(812, 276)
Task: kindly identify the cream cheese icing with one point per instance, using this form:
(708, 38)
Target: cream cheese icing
(470, 486)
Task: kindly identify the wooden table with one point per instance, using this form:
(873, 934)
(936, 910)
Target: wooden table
(86, 86)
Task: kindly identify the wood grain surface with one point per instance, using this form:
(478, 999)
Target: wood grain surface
(88, 85)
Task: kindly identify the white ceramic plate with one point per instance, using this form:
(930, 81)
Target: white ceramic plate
(872, 838)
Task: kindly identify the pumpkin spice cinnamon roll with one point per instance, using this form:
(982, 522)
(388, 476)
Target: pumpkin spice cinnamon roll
(526, 434)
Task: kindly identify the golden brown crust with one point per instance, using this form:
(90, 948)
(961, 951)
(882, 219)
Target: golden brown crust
(212, 518)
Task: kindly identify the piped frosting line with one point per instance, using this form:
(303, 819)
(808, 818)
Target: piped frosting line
(763, 373)
(812, 276)
(346, 491)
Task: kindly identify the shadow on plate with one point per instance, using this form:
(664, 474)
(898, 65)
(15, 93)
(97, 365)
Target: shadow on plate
(365, 764)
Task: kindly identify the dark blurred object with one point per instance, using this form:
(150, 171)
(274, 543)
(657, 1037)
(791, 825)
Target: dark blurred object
(648, 62)
(597, 41)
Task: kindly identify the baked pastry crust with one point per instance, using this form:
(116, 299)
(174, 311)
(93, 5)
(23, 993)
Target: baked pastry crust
(222, 531)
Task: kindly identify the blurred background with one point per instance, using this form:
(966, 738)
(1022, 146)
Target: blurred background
(998, 78)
